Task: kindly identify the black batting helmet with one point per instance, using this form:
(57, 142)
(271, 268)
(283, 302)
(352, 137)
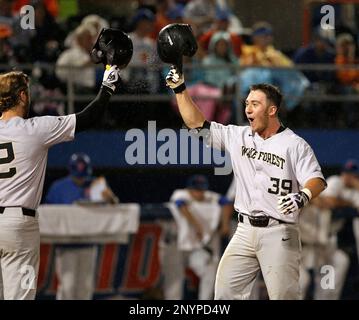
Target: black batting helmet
(175, 41)
(112, 47)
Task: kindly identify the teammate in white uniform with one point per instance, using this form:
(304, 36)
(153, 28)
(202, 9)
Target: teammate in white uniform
(197, 245)
(342, 191)
(24, 144)
(276, 175)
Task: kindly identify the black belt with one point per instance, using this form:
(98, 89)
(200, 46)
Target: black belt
(257, 221)
(25, 211)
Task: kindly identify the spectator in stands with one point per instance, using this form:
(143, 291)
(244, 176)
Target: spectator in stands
(144, 53)
(348, 78)
(200, 14)
(96, 24)
(76, 263)
(5, 48)
(45, 41)
(198, 239)
(221, 23)
(319, 51)
(78, 56)
(346, 55)
(220, 53)
(161, 16)
(263, 54)
(8, 30)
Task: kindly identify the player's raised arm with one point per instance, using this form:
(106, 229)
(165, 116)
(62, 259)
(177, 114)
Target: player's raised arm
(175, 41)
(114, 49)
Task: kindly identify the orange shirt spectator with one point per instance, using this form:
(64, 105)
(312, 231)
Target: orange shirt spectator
(346, 56)
(52, 6)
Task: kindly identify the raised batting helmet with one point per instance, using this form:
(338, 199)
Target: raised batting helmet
(112, 47)
(175, 41)
(80, 165)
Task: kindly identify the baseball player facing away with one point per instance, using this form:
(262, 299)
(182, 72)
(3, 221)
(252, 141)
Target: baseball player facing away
(276, 175)
(198, 238)
(24, 144)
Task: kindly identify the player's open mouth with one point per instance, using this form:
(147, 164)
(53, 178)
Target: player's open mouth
(250, 120)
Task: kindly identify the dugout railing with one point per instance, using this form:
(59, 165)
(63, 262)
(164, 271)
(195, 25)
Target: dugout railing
(315, 93)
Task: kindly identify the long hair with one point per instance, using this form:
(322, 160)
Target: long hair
(11, 84)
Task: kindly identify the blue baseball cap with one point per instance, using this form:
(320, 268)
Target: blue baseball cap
(175, 12)
(351, 166)
(198, 182)
(261, 29)
(223, 15)
(143, 14)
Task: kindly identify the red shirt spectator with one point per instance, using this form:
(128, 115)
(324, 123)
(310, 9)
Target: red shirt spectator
(221, 24)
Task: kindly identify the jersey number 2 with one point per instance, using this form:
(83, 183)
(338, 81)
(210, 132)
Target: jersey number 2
(285, 186)
(10, 157)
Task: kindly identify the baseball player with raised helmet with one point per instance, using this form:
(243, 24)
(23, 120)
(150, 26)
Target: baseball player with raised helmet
(24, 144)
(276, 174)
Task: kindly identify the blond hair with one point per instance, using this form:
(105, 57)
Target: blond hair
(11, 84)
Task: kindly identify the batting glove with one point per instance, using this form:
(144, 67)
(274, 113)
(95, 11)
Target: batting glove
(175, 80)
(293, 202)
(111, 78)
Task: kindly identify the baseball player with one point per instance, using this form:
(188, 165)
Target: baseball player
(76, 262)
(24, 143)
(276, 175)
(342, 191)
(198, 238)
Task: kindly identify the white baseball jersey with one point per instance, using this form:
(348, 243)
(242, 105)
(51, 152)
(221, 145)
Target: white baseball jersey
(337, 189)
(207, 212)
(24, 144)
(265, 168)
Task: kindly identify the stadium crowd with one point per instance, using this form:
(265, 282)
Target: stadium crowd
(224, 46)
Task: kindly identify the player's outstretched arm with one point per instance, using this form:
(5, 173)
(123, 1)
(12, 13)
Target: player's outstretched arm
(191, 114)
(88, 117)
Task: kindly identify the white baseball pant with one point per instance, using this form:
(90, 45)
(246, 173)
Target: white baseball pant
(324, 255)
(76, 268)
(174, 262)
(274, 249)
(19, 255)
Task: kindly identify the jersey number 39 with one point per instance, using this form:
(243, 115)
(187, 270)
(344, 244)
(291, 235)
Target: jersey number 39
(284, 186)
(10, 157)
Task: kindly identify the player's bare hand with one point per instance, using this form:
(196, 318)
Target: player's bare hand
(224, 230)
(199, 232)
(175, 80)
(292, 202)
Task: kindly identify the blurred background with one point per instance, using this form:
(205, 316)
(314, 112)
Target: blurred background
(283, 42)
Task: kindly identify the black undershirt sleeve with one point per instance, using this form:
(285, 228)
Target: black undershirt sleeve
(93, 112)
